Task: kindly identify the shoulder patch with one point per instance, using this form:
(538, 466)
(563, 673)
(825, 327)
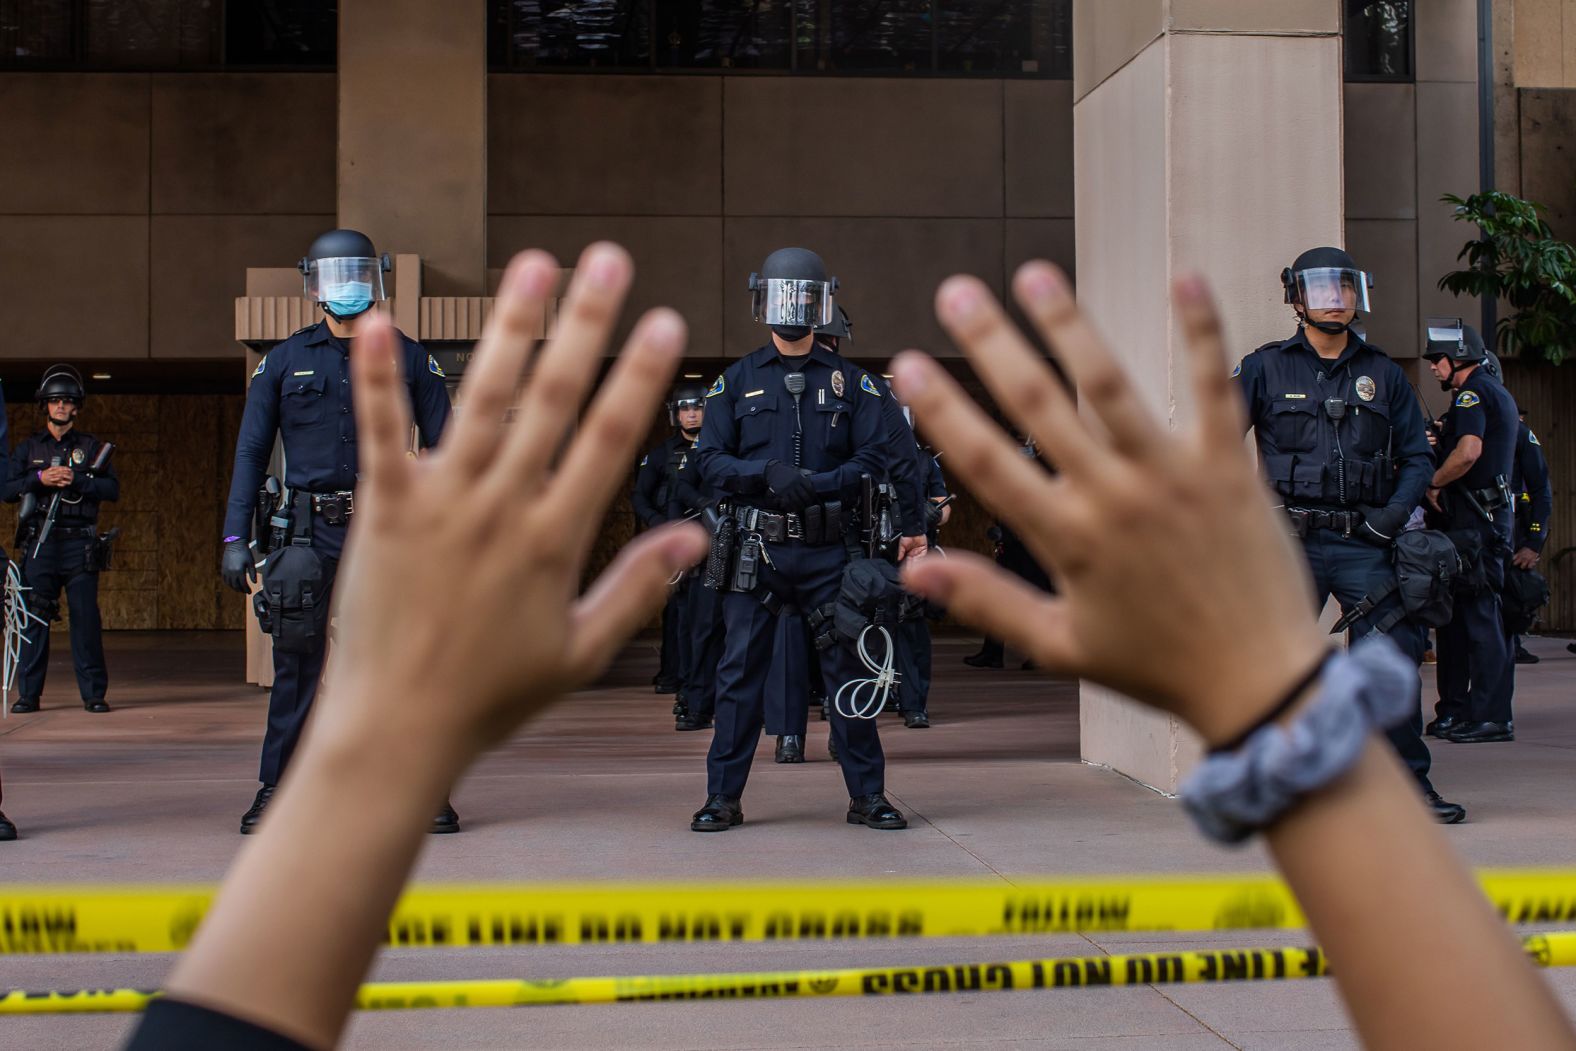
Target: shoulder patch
(868, 385)
(1237, 371)
(1467, 399)
(436, 369)
(643, 459)
(717, 388)
(1533, 438)
(261, 365)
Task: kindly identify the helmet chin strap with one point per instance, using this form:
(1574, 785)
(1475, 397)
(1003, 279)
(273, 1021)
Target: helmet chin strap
(1329, 328)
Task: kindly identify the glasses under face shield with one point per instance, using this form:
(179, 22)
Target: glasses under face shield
(1333, 288)
(788, 301)
(346, 278)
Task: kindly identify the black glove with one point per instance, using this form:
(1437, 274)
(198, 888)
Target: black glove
(236, 566)
(1381, 525)
(791, 488)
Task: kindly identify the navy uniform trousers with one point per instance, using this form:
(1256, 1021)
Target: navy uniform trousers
(62, 563)
(700, 638)
(1350, 570)
(913, 664)
(804, 576)
(1477, 666)
(296, 674)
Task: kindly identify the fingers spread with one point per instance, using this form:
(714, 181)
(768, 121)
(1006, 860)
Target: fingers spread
(382, 410)
(494, 374)
(1221, 416)
(569, 362)
(1019, 379)
(1017, 488)
(999, 604)
(1043, 292)
(627, 594)
(614, 425)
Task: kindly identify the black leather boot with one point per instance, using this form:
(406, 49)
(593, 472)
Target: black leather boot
(873, 811)
(446, 821)
(7, 830)
(790, 749)
(250, 819)
(718, 815)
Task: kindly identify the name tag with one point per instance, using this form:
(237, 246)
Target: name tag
(1295, 397)
(308, 372)
(754, 393)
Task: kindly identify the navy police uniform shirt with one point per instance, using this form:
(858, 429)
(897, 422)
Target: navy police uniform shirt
(1314, 460)
(653, 494)
(1483, 408)
(750, 421)
(80, 503)
(301, 392)
(1529, 484)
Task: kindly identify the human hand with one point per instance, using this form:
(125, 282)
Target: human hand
(1178, 584)
(56, 477)
(789, 485)
(1525, 558)
(236, 566)
(911, 547)
(489, 617)
(1432, 496)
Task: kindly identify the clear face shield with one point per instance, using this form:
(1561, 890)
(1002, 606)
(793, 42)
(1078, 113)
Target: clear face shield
(346, 279)
(784, 301)
(1333, 288)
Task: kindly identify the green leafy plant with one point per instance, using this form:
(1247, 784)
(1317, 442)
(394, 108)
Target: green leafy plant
(1517, 258)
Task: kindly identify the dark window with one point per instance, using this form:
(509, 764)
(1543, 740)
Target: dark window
(167, 34)
(945, 37)
(1378, 39)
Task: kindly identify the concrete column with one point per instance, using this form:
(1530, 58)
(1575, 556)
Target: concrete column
(413, 134)
(1207, 136)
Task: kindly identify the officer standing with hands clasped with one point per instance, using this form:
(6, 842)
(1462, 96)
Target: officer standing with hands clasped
(653, 502)
(1343, 441)
(1469, 496)
(61, 475)
(791, 429)
(300, 392)
(7, 828)
(1534, 495)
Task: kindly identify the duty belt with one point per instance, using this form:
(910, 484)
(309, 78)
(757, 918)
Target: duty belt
(816, 524)
(1306, 519)
(336, 508)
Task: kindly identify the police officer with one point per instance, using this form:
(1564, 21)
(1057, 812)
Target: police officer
(652, 500)
(700, 620)
(53, 472)
(1529, 484)
(1470, 497)
(1343, 442)
(914, 649)
(790, 429)
(7, 828)
(300, 393)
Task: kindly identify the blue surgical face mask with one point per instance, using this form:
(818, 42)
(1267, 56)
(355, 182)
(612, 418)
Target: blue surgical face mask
(348, 299)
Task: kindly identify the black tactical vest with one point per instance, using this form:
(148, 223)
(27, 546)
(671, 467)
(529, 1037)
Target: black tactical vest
(1324, 434)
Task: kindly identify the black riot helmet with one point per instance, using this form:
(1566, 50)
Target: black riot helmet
(840, 328)
(1326, 279)
(792, 294)
(343, 271)
(61, 381)
(687, 394)
(1457, 343)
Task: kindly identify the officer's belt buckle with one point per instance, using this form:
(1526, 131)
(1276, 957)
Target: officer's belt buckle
(795, 527)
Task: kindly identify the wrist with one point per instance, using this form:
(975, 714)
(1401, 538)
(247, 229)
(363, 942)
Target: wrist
(1234, 702)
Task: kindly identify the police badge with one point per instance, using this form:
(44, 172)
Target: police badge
(1366, 388)
(837, 383)
(77, 457)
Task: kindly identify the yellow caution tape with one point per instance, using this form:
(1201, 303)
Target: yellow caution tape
(1072, 972)
(82, 919)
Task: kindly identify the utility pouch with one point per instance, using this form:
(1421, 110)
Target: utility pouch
(718, 560)
(101, 551)
(747, 572)
(292, 606)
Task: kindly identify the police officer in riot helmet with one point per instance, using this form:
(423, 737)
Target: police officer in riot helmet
(300, 395)
(1469, 497)
(790, 430)
(652, 499)
(62, 475)
(1343, 443)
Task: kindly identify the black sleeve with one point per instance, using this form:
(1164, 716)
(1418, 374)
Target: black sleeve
(648, 479)
(172, 1025)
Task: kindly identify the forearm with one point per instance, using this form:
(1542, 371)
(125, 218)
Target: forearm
(1458, 463)
(1374, 878)
(346, 809)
